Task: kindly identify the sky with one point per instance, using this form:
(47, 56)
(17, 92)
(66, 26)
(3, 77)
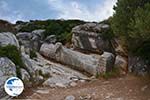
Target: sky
(88, 10)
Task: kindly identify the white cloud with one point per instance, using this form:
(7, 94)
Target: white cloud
(75, 10)
(7, 14)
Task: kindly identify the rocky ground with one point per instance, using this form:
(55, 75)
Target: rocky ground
(123, 88)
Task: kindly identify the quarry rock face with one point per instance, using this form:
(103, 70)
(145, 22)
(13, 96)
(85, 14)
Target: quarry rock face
(7, 70)
(88, 37)
(7, 38)
(92, 64)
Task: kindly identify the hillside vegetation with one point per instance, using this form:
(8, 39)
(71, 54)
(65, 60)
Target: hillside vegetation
(60, 28)
(131, 23)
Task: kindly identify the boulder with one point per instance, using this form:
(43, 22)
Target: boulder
(25, 76)
(92, 64)
(7, 38)
(50, 39)
(38, 33)
(88, 37)
(24, 39)
(42, 71)
(35, 71)
(119, 48)
(7, 70)
(138, 66)
(121, 64)
(106, 61)
(31, 40)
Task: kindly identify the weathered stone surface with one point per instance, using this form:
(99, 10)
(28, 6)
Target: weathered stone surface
(118, 46)
(138, 65)
(25, 76)
(37, 70)
(106, 61)
(7, 38)
(88, 37)
(31, 40)
(92, 64)
(50, 39)
(121, 64)
(7, 70)
(42, 71)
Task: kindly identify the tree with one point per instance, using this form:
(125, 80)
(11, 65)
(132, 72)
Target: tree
(140, 32)
(131, 21)
(124, 13)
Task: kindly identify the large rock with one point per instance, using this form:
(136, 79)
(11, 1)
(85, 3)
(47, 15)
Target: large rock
(138, 66)
(31, 40)
(50, 39)
(121, 64)
(93, 64)
(88, 37)
(7, 70)
(42, 71)
(119, 48)
(7, 38)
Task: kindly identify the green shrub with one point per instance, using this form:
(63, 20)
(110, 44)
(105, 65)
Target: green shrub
(14, 55)
(32, 54)
(60, 28)
(131, 21)
(111, 74)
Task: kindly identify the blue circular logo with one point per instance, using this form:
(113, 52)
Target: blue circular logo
(14, 86)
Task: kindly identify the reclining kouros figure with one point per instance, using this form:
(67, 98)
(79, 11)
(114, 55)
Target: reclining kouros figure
(92, 64)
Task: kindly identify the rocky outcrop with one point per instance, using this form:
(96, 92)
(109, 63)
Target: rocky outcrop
(31, 40)
(93, 64)
(138, 66)
(88, 37)
(7, 70)
(7, 38)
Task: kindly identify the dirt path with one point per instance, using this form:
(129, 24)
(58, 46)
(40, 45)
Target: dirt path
(124, 88)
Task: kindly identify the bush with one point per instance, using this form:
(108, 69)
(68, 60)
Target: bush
(32, 54)
(131, 21)
(112, 74)
(14, 55)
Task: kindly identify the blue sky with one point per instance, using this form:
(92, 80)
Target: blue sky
(88, 10)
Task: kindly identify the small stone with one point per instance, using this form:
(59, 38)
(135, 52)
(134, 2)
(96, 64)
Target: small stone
(70, 97)
(109, 95)
(60, 85)
(43, 91)
(73, 84)
(144, 88)
(130, 90)
(82, 81)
